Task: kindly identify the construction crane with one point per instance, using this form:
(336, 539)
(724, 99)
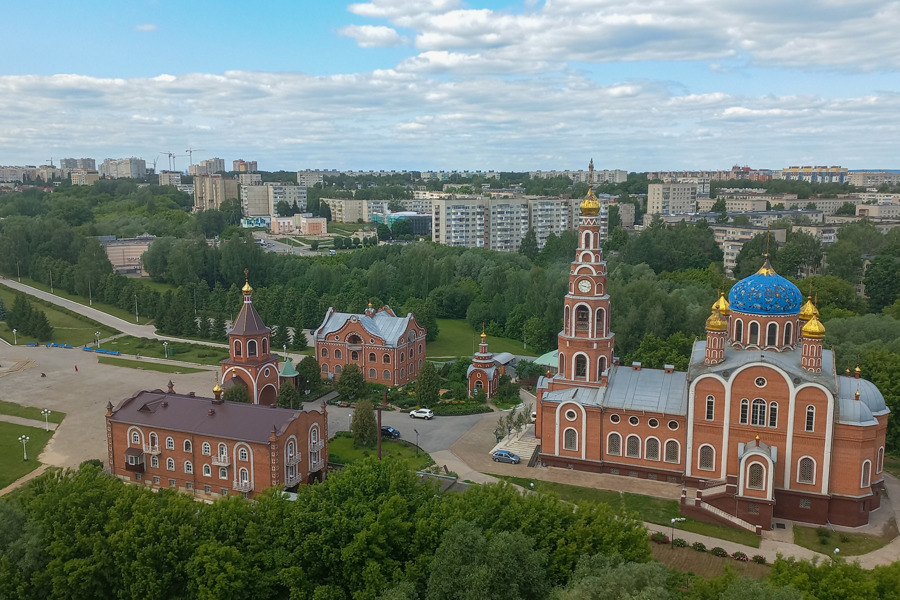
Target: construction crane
(172, 156)
(190, 153)
(51, 161)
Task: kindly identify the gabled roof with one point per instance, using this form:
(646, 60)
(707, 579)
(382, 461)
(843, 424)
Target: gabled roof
(248, 322)
(382, 324)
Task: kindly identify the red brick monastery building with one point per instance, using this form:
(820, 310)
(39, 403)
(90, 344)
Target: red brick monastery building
(761, 423)
(388, 349)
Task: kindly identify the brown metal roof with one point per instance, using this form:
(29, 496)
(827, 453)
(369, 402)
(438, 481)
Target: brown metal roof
(230, 420)
(248, 322)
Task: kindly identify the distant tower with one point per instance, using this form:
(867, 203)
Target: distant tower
(249, 358)
(586, 343)
(812, 337)
(483, 373)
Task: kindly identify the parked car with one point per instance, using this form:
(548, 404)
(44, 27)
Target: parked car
(421, 413)
(389, 432)
(506, 456)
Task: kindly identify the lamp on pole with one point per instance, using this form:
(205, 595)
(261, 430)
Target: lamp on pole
(46, 412)
(417, 441)
(97, 338)
(166, 349)
(90, 294)
(51, 278)
(307, 387)
(675, 520)
(350, 421)
(18, 274)
(23, 439)
(15, 337)
(136, 310)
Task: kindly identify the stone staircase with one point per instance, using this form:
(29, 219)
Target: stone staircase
(524, 445)
(713, 490)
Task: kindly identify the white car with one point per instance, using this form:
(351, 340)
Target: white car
(421, 413)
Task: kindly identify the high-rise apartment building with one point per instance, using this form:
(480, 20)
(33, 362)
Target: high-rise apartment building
(262, 200)
(83, 176)
(813, 174)
(459, 221)
(78, 163)
(170, 178)
(310, 177)
(250, 179)
(244, 166)
(121, 168)
(211, 190)
(210, 166)
(671, 198)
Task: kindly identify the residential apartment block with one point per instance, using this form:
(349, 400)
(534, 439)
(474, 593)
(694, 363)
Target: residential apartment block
(17, 174)
(262, 200)
(813, 174)
(84, 176)
(582, 176)
(873, 178)
(671, 198)
(170, 178)
(244, 166)
(736, 172)
(78, 163)
(249, 179)
(210, 191)
(210, 166)
(120, 168)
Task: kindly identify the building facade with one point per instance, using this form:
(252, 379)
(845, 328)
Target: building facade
(84, 177)
(760, 423)
(170, 178)
(210, 191)
(388, 349)
(126, 254)
(116, 168)
(671, 198)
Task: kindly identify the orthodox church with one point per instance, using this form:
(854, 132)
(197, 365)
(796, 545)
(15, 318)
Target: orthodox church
(761, 423)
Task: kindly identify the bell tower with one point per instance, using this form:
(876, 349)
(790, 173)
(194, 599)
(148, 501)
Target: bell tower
(585, 342)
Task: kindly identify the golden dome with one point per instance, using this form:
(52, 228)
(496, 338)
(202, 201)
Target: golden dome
(808, 310)
(814, 329)
(722, 305)
(246, 289)
(590, 206)
(716, 322)
(217, 389)
(766, 269)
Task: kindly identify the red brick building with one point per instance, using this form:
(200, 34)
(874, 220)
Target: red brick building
(388, 349)
(761, 423)
(210, 448)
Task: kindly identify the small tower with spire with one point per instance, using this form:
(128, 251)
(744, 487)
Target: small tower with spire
(483, 373)
(716, 334)
(812, 336)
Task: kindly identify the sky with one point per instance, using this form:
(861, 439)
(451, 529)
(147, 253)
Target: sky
(511, 85)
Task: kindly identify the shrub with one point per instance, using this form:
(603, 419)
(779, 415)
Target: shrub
(823, 533)
(759, 559)
(740, 556)
(679, 543)
(699, 546)
(659, 538)
(720, 552)
(844, 538)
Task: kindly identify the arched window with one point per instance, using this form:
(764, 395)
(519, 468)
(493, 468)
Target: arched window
(170, 443)
(136, 437)
(242, 454)
(265, 346)
(567, 320)
(581, 366)
(773, 414)
(325, 369)
(386, 358)
(402, 357)
(338, 369)
(354, 355)
(707, 458)
(601, 364)
(478, 384)
(237, 348)
(810, 418)
(879, 461)
(710, 408)
(758, 412)
(633, 446)
(866, 471)
(223, 473)
(313, 434)
(745, 406)
(372, 357)
(188, 467)
(672, 451)
(372, 374)
(772, 334)
(170, 464)
(652, 450)
(739, 331)
(223, 450)
(244, 475)
(324, 352)
(787, 334)
(755, 478)
(570, 439)
(207, 471)
(154, 441)
(614, 444)
(206, 449)
(154, 461)
(754, 333)
(582, 318)
(402, 372)
(601, 322)
(806, 470)
(337, 353)
(385, 374)
(562, 363)
(251, 348)
(188, 447)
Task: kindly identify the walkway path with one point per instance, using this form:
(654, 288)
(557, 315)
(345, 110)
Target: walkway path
(28, 422)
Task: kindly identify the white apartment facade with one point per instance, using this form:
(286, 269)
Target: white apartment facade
(671, 198)
(210, 191)
(210, 166)
(124, 168)
(170, 178)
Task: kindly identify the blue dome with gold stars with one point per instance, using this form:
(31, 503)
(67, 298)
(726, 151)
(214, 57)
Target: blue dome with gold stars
(765, 293)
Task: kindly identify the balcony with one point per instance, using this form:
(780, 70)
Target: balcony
(135, 468)
(292, 480)
(242, 486)
(221, 461)
(292, 460)
(151, 450)
(316, 446)
(316, 466)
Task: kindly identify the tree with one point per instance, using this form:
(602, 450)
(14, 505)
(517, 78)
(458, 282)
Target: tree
(309, 370)
(314, 245)
(364, 426)
(352, 384)
(283, 209)
(288, 396)
(847, 209)
(428, 385)
(882, 282)
(602, 576)
(231, 211)
(384, 232)
(298, 340)
(338, 242)
(529, 246)
(237, 393)
(279, 336)
(219, 329)
(401, 227)
(719, 206)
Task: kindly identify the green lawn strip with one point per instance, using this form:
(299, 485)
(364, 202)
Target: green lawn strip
(68, 326)
(341, 450)
(506, 405)
(147, 366)
(457, 338)
(28, 412)
(183, 351)
(107, 308)
(289, 242)
(12, 466)
(892, 464)
(850, 544)
(157, 286)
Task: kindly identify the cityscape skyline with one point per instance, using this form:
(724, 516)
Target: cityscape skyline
(442, 84)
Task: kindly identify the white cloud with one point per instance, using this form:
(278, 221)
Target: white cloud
(146, 27)
(373, 36)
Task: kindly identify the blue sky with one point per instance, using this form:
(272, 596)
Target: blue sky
(446, 84)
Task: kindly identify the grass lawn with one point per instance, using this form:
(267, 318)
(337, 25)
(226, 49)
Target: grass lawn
(107, 308)
(659, 511)
(892, 464)
(851, 544)
(341, 450)
(146, 366)
(704, 564)
(457, 338)
(68, 328)
(28, 412)
(346, 229)
(12, 466)
(289, 242)
(196, 353)
(157, 286)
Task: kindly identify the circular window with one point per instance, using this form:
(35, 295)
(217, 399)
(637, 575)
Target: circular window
(353, 319)
(673, 425)
(633, 420)
(760, 382)
(266, 373)
(371, 340)
(570, 415)
(337, 337)
(653, 423)
(614, 418)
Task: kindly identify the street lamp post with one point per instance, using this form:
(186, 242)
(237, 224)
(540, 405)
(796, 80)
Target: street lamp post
(350, 421)
(90, 294)
(46, 412)
(18, 274)
(417, 441)
(23, 439)
(15, 337)
(675, 520)
(51, 279)
(307, 387)
(136, 318)
(166, 349)
(97, 338)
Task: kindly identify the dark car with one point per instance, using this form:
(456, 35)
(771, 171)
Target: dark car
(389, 432)
(506, 456)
